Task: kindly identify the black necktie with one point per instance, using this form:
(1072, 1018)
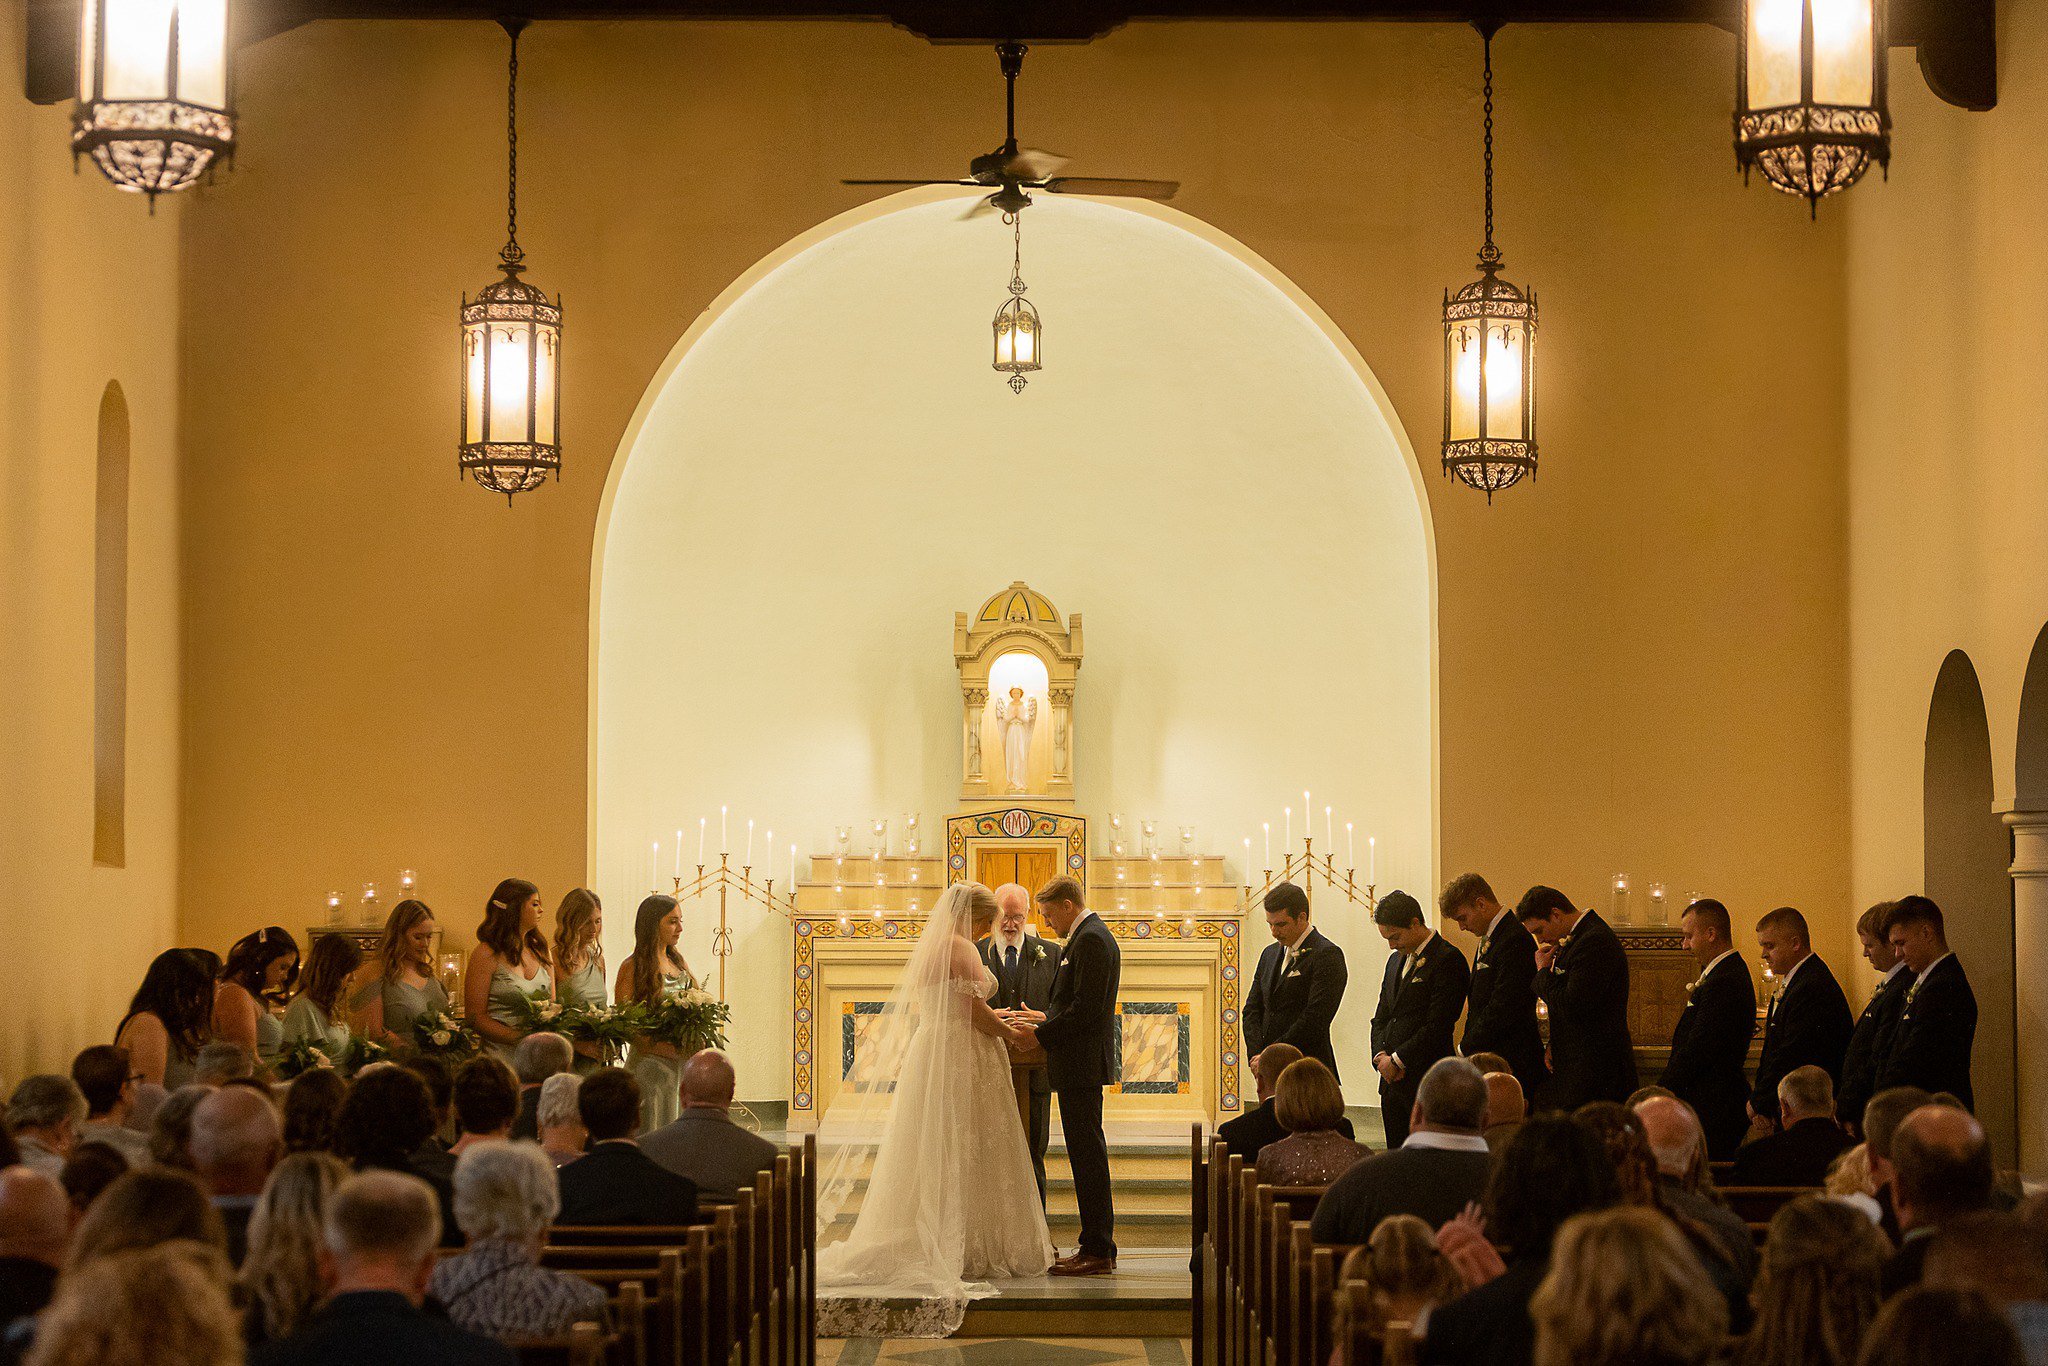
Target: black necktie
(1010, 962)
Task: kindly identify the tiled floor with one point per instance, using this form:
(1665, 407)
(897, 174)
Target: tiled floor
(1005, 1352)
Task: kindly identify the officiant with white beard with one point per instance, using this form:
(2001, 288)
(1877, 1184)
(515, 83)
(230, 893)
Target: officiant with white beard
(1024, 966)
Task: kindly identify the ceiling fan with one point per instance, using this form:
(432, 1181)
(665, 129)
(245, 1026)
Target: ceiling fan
(1012, 171)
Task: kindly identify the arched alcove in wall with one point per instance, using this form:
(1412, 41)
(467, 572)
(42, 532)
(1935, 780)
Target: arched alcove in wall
(827, 469)
(2029, 822)
(1967, 858)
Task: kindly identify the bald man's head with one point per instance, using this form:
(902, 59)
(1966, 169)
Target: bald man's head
(35, 1218)
(708, 1080)
(1505, 1103)
(1941, 1166)
(236, 1139)
(1013, 909)
(1673, 1131)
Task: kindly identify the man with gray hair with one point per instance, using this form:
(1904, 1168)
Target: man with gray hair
(1024, 967)
(222, 1061)
(1439, 1168)
(562, 1135)
(536, 1058)
(1679, 1143)
(44, 1114)
(1807, 1142)
(703, 1143)
(236, 1139)
(506, 1195)
(35, 1231)
(377, 1256)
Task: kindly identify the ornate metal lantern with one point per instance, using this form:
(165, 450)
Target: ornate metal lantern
(1018, 334)
(153, 109)
(511, 353)
(1810, 110)
(1489, 359)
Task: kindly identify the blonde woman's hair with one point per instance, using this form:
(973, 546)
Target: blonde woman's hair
(1307, 1098)
(1849, 1174)
(1402, 1268)
(391, 945)
(1818, 1288)
(166, 1305)
(575, 936)
(281, 1273)
(1625, 1289)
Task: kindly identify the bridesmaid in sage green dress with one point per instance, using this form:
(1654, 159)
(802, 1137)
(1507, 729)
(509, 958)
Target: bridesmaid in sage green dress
(656, 969)
(261, 968)
(579, 965)
(510, 961)
(167, 1021)
(404, 986)
(315, 1014)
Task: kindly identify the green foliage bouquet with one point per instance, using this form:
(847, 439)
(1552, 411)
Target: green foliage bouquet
(690, 1019)
(438, 1034)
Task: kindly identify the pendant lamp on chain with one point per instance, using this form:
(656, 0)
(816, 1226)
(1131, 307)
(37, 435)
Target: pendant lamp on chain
(153, 91)
(1017, 329)
(511, 352)
(1489, 359)
(1810, 113)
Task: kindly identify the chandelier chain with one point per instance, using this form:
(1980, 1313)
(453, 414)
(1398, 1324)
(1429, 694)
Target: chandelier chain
(1016, 253)
(512, 255)
(1488, 254)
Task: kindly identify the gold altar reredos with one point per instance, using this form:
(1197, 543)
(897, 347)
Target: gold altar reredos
(1176, 913)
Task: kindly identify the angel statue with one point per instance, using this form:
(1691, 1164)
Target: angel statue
(1017, 715)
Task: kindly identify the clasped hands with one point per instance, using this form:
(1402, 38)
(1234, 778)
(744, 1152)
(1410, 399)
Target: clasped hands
(1389, 1067)
(1023, 1027)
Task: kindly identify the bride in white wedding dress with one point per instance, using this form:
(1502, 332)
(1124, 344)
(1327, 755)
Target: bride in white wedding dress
(929, 1122)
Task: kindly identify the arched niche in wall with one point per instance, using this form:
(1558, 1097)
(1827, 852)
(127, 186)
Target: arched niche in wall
(1967, 856)
(2029, 821)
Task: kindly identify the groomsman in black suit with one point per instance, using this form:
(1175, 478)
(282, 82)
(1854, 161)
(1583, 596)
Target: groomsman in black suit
(1710, 1044)
(1808, 1024)
(1582, 975)
(1299, 982)
(1420, 997)
(1024, 966)
(1500, 1015)
(1938, 1025)
(1872, 1038)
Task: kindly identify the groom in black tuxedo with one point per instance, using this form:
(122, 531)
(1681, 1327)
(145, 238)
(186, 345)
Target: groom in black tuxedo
(1079, 1038)
(1024, 966)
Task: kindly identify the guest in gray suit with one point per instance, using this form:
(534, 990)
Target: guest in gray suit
(704, 1144)
(1024, 966)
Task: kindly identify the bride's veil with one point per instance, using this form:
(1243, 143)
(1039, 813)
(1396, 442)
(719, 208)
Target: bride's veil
(896, 1165)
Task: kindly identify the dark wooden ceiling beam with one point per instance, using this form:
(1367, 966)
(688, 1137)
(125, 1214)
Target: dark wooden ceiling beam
(1956, 39)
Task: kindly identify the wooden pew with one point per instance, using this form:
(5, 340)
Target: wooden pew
(1271, 1210)
(586, 1344)
(1198, 1187)
(1757, 1205)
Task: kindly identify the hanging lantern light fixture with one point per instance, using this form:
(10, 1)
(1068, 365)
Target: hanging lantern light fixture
(1018, 333)
(152, 107)
(1810, 112)
(1489, 357)
(511, 351)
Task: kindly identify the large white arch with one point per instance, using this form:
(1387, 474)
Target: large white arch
(1319, 606)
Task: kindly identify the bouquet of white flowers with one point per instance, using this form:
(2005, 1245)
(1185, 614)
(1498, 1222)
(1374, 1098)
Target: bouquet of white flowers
(438, 1034)
(538, 1013)
(300, 1057)
(690, 1019)
(613, 1027)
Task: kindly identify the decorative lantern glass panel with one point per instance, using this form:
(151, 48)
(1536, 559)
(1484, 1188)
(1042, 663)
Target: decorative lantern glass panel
(1490, 397)
(511, 358)
(1017, 336)
(153, 91)
(1810, 100)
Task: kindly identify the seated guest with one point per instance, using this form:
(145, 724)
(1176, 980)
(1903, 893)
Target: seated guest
(1308, 1103)
(1941, 1171)
(562, 1135)
(107, 1080)
(1923, 1326)
(91, 1168)
(236, 1140)
(1685, 1183)
(1818, 1289)
(440, 1080)
(1405, 1274)
(148, 1099)
(486, 1103)
(1849, 1179)
(223, 1061)
(1808, 1139)
(312, 1107)
(1248, 1134)
(1506, 1108)
(280, 1276)
(1488, 1062)
(536, 1058)
(385, 1120)
(158, 1306)
(170, 1131)
(616, 1183)
(505, 1198)
(1439, 1169)
(43, 1114)
(1881, 1119)
(1550, 1171)
(704, 1144)
(2001, 1258)
(148, 1206)
(35, 1229)
(378, 1242)
(1624, 1290)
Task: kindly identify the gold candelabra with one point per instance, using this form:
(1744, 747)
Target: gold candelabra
(727, 882)
(1310, 867)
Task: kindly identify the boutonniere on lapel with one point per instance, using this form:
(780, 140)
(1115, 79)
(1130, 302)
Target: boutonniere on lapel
(1037, 951)
(1692, 986)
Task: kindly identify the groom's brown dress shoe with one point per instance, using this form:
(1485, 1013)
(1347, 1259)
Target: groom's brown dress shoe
(1081, 1264)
